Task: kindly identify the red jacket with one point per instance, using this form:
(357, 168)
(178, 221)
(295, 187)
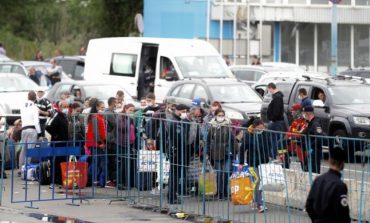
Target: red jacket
(95, 139)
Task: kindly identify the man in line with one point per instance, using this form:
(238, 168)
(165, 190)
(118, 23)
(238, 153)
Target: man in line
(275, 115)
(327, 201)
(120, 101)
(44, 106)
(111, 117)
(30, 127)
(314, 129)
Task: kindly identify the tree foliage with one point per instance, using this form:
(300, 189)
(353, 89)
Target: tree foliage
(65, 24)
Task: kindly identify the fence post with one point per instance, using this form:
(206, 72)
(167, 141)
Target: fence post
(204, 169)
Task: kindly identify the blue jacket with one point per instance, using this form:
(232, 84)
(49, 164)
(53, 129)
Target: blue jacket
(306, 102)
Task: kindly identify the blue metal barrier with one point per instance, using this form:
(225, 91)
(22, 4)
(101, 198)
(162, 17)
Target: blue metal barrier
(184, 167)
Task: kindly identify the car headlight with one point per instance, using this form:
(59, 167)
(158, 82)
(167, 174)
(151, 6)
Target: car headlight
(234, 115)
(361, 120)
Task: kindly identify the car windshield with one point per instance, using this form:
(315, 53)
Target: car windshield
(345, 95)
(202, 66)
(103, 92)
(234, 93)
(16, 83)
(11, 68)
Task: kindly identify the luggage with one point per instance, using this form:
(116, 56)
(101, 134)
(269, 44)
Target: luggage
(44, 173)
(29, 172)
(208, 181)
(243, 184)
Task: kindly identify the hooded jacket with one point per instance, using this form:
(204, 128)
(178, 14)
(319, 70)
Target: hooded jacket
(275, 110)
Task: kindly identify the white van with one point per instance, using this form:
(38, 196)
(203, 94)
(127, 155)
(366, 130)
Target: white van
(128, 59)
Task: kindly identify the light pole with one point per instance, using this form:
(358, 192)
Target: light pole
(334, 38)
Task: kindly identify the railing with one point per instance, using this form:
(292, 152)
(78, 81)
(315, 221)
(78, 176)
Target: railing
(192, 169)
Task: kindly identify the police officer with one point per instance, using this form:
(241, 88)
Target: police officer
(178, 129)
(327, 201)
(313, 129)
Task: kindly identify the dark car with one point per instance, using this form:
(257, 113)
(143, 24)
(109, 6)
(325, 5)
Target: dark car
(87, 89)
(239, 100)
(73, 66)
(345, 111)
(358, 72)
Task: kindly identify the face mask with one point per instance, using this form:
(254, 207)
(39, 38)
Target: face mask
(100, 111)
(183, 116)
(305, 116)
(220, 119)
(150, 104)
(143, 107)
(299, 97)
(130, 115)
(65, 111)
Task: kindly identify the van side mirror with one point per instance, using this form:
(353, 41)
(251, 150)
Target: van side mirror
(171, 76)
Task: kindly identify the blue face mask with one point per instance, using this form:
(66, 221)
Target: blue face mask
(65, 111)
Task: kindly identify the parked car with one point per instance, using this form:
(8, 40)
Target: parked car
(363, 72)
(345, 111)
(239, 100)
(14, 89)
(102, 91)
(73, 66)
(19, 68)
(252, 74)
(4, 58)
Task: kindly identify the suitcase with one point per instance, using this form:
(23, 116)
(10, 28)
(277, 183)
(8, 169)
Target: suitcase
(44, 173)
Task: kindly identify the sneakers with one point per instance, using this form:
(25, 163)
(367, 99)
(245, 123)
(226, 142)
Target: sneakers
(155, 191)
(261, 209)
(110, 184)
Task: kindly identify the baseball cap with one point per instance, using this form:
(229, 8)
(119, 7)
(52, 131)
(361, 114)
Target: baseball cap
(337, 153)
(196, 102)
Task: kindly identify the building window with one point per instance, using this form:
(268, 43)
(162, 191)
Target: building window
(363, 2)
(361, 46)
(344, 46)
(300, 2)
(306, 45)
(324, 47)
(288, 42)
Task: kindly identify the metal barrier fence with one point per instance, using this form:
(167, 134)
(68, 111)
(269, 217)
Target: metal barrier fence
(192, 169)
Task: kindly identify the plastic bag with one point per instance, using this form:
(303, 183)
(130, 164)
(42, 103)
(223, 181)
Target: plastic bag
(74, 174)
(208, 181)
(243, 183)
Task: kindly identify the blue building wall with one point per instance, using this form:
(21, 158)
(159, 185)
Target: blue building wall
(181, 19)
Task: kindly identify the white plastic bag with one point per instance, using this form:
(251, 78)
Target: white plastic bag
(272, 177)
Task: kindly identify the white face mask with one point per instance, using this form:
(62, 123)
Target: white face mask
(101, 111)
(65, 111)
(220, 119)
(305, 116)
(299, 97)
(150, 104)
(183, 116)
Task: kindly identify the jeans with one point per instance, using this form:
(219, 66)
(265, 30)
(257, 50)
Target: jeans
(257, 192)
(222, 168)
(278, 126)
(99, 166)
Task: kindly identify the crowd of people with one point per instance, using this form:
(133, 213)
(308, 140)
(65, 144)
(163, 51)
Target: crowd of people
(181, 132)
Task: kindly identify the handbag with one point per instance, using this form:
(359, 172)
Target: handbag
(74, 173)
(242, 184)
(208, 181)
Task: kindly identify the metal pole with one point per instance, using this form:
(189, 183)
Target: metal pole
(221, 27)
(297, 47)
(248, 32)
(334, 39)
(234, 31)
(208, 19)
(352, 46)
(261, 15)
(315, 48)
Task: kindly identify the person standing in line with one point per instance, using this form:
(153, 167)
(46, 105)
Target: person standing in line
(45, 107)
(314, 129)
(120, 101)
(178, 130)
(275, 115)
(327, 200)
(111, 120)
(57, 127)
(30, 127)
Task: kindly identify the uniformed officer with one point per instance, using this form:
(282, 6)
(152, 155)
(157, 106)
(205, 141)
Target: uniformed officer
(327, 201)
(178, 129)
(313, 130)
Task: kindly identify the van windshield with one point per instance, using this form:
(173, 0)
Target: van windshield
(202, 66)
(345, 95)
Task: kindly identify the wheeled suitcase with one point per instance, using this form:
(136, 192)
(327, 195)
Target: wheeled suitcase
(45, 173)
